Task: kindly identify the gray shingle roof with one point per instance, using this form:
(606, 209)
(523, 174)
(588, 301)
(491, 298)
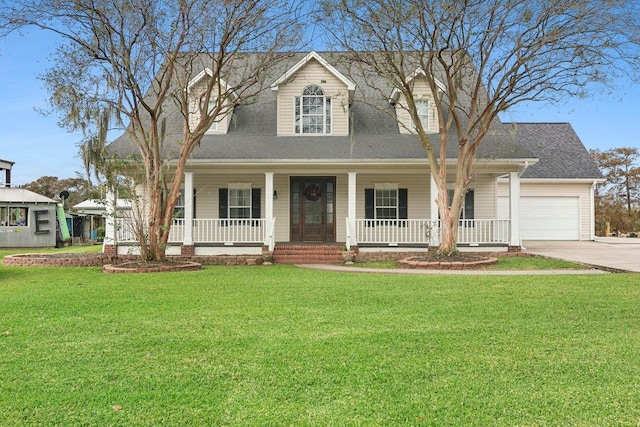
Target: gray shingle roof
(375, 136)
(560, 152)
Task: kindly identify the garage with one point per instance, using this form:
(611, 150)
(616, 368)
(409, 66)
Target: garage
(546, 218)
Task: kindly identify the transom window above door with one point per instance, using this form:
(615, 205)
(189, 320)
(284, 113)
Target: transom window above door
(313, 111)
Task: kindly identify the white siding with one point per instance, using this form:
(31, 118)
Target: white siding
(207, 186)
(484, 198)
(421, 90)
(313, 73)
(416, 181)
(194, 112)
(282, 185)
(417, 191)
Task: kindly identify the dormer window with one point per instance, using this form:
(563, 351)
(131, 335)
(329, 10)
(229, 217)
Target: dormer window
(212, 106)
(220, 95)
(313, 111)
(422, 108)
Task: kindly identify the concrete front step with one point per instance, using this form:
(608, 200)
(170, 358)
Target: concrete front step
(307, 254)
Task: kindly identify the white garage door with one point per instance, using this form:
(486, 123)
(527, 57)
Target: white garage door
(546, 218)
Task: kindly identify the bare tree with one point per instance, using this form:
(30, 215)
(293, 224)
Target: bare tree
(619, 197)
(129, 63)
(480, 58)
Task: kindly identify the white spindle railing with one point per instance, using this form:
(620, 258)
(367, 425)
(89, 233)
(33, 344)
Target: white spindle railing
(393, 231)
(479, 231)
(205, 231)
(176, 232)
(367, 231)
(423, 231)
(125, 230)
(229, 230)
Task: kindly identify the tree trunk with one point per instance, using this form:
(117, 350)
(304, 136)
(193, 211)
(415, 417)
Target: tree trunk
(447, 231)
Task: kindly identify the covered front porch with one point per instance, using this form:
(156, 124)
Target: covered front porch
(343, 212)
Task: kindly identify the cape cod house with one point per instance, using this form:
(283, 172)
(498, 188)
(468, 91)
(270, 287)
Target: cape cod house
(307, 163)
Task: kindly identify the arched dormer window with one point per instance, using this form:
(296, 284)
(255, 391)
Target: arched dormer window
(313, 111)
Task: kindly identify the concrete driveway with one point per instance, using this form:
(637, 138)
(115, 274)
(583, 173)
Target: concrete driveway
(615, 253)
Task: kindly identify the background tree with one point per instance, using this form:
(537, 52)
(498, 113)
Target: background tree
(490, 55)
(129, 62)
(618, 198)
(51, 186)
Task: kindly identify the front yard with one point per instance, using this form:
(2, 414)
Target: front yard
(283, 346)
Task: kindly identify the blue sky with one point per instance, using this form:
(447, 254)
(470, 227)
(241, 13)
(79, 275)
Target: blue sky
(39, 147)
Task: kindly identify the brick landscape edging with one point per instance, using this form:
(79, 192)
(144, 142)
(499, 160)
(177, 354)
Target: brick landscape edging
(100, 260)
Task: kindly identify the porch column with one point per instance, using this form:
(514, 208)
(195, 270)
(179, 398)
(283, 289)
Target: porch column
(109, 242)
(514, 209)
(268, 207)
(351, 211)
(592, 213)
(433, 209)
(188, 209)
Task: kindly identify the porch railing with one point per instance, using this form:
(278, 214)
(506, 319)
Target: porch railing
(367, 231)
(393, 231)
(480, 231)
(424, 231)
(223, 231)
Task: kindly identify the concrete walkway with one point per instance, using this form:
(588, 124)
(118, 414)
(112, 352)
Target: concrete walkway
(352, 269)
(604, 254)
(612, 253)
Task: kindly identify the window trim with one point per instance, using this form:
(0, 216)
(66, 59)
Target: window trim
(370, 205)
(386, 187)
(235, 187)
(298, 112)
(223, 205)
(424, 117)
(214, 126)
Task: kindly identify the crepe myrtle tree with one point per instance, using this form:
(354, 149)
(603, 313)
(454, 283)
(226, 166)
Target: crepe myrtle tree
(480, 58)
(129, 62)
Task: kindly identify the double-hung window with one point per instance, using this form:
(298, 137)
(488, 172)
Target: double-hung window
(178, 209)
(212, 106)
(386, 202)
(313, 111)
(422, 108)
(239, 201)
(467, 207)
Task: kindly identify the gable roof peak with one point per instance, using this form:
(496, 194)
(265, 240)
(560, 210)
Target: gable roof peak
(419, 72)
(308, 57)
(207, 72)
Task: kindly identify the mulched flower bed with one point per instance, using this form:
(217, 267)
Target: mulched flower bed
(459, 261)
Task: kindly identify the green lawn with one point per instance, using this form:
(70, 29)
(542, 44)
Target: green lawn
(504, 263)
(283, 346)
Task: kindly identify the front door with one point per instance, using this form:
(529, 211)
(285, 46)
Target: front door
(313, 209)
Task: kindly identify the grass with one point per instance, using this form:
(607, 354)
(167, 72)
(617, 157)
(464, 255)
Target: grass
(504, 263)
(72, 249)
(283, 346)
